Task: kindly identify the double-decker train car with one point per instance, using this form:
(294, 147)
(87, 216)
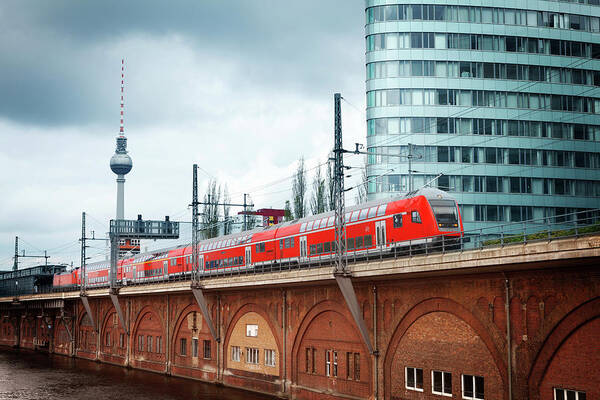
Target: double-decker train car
(427, 217)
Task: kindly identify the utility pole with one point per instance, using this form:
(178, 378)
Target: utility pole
(83, 257)
(245, 216)
(341, 273)
(17, 255)
(195, 286)
(195, 254)
(341, 260)
(16, 264)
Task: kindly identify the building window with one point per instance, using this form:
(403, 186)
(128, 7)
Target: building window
(159, 344)
(149, 344)
(270, 358)
(252, 330)
(308, 359)
(141, 343)
(314, 358)
(441, 383)
(121, 340)
(349, 365)
(235, 353)
(331, 363)
(107, 339)
(567, 394)
(183, 347)
(357, 366)
(414, 378)
(206, 344)
(194, 347)
(251, 355)
(472, 387)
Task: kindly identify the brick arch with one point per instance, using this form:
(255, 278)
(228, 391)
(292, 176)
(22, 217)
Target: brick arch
(559, 334)
(133, 331)
(435, 305)
(111, 313)
(306, 322)
(246, 308)
(181, 316)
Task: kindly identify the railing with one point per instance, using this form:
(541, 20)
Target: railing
(535, 230)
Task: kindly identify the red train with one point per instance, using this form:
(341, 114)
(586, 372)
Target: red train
(427, 217)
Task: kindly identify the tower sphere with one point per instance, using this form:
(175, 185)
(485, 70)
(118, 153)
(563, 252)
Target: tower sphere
(121, 163)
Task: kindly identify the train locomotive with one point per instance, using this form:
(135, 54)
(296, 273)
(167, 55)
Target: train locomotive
(425, 218)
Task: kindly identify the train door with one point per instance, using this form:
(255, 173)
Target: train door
(201, 262)
(133, 275)
(380, 234)
(303, 252)
(248, 256)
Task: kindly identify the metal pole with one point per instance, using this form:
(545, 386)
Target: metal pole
(245, 216)
(195, 254)
(410, 181)
(16, 264)
(341, 261)
(83, 257)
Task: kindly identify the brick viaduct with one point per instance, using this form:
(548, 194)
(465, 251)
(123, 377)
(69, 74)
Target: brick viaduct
(291, 334)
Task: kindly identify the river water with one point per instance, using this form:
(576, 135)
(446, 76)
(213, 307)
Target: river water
(27, 375)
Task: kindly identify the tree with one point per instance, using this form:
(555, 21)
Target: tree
(299, 190)
(330, 184)
(210, 211)
(287, 216)
(227, 223)
(318, 201)
(361, 195)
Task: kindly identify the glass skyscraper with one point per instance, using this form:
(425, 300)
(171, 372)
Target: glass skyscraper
(502, 98)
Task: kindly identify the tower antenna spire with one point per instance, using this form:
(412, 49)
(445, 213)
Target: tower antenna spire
(122, 127)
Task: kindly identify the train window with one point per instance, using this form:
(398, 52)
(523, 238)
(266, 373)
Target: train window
(309, 226)
(347, 217)
(398, 221)
(173, 261)
(313, 249)
(289, 242)
(354, 216)
(363, 214)
(372, 212)
(327, 247)
(333, 246)
(303, 227)
(281, 244)
(415, 217)
(381, 210)
(323, 223)
(330, 221)
(319, 248)
(359, 242)
(165, 264)
(368, 240)
(350, 243)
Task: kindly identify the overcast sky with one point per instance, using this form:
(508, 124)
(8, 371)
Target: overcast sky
(243, 88)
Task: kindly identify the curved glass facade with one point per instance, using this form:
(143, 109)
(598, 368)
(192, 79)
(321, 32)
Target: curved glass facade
(503, 101)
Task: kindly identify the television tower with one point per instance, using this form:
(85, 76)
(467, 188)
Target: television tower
(120, 162)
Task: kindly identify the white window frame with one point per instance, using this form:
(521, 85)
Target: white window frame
(462, 385)
(328, 363)
(565, 391)
(414, 369)
(251, 330)
(269, 357)
(252, 355)
(442, 393)
(236, 353)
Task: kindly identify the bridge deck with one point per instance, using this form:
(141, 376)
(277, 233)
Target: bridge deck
(540, 254)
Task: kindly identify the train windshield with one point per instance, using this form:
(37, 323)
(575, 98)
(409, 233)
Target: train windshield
(445, 213)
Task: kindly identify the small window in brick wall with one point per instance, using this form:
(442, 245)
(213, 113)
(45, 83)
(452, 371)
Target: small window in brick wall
(473, 387)
(568, 394)
(414, 378)
(183, 347)
(207, 352)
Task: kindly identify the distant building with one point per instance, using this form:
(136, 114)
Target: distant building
(503, 100)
